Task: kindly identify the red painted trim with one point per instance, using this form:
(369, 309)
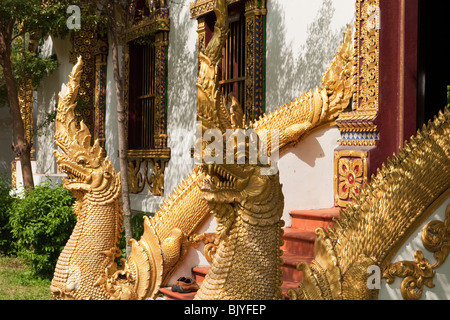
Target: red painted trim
(396, 118)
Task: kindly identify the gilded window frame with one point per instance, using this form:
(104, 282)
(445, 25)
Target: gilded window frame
(157, 23)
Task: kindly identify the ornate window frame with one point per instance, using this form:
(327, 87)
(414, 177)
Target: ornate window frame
(157, 25)
(359, 131)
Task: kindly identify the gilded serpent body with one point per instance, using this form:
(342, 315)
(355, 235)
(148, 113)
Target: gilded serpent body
(247, 263)
(75, 274)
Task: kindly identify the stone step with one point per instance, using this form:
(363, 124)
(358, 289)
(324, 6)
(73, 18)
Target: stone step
(298, 242)
(310, 220)
(289, 268)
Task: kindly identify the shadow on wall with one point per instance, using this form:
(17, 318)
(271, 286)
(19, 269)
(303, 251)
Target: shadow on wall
(111, 125)
(292, 73)
(47, 99)
(182, 96)
(310, 152)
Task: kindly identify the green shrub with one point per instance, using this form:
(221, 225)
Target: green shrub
(5, 227)
(41, 223)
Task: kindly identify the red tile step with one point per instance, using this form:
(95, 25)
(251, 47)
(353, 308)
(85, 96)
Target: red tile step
(310, 220)
(289, 268)
(298, 242)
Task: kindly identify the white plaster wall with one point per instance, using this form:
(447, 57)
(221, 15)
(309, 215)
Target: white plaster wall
(307, 175)
(295, 64)
(295, 61)
(46, 102)
(182, 93)
(111, 125)
(441, 291)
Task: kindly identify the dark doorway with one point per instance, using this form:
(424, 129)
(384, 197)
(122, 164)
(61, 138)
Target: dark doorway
(433, 59)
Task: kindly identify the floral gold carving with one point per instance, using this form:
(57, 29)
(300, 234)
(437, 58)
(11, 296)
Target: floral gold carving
(436, 238)
(416, 274)
(350, 175)
(419, 273)
(210, 241)
(358, 128)
(138, 179)
(367, 37)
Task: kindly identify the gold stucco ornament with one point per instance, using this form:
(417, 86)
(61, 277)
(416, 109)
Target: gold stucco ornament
(400, 197)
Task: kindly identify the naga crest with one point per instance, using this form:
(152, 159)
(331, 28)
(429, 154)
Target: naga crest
(87, 170)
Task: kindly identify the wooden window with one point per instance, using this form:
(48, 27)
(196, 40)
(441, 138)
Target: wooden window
(232, 71)
(141, 97)
(145, 96)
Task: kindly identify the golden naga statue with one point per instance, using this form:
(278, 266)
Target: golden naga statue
(247, 204)
(96, 187)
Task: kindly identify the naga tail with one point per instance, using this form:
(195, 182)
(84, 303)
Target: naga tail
(381, 219)
(163, 245)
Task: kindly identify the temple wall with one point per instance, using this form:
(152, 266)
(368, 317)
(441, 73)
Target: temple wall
(292, 27)
(302, 39)
(307, 175)
(46, 102)
(181, 108)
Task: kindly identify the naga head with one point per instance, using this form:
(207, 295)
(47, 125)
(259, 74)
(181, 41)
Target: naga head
(88, 171)
(244, 187)
(234, 165)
